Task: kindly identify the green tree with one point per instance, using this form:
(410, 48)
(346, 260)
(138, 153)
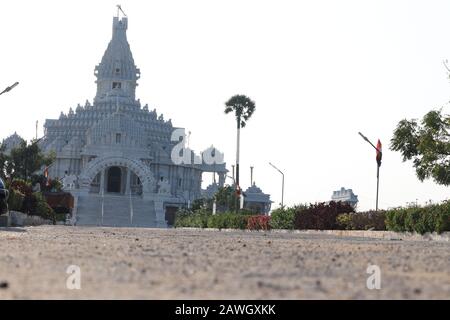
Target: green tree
(427, 144)
(243, 108)
(225, 198)
(24, 160)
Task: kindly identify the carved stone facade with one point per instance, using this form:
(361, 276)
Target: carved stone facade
(114, 146)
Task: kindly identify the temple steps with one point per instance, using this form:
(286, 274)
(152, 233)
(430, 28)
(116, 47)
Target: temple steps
(116, 211)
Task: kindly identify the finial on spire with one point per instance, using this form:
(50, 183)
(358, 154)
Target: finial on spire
(119, 9)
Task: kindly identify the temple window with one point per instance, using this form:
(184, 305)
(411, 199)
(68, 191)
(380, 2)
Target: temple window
(118, 138)
(117, 85)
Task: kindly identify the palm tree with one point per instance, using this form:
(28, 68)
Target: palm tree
(243, 108)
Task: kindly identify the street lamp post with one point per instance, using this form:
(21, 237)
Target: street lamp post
(378, 165)
(9, 88)
(282, 184)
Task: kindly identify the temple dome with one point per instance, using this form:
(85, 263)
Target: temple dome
(12, 142)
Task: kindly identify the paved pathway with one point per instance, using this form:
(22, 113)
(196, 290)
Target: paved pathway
(184, 264)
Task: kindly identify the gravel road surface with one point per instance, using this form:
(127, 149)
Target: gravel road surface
(125, 263)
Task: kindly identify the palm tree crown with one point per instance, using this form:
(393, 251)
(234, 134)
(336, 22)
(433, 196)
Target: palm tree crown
(242, 106)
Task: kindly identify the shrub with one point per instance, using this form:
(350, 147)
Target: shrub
(432, 218)
(247, 212)
(41, 208)
(362, 220)
(345, 221)
(283, 218)
(227, 220)
(395, 220)
(258, 222)
(53, 186)
(442, 214)
(15, 200)
(23, 186)
(412, 217)
(321, 216)
(217, 221)
(205, 219)
(188, 219)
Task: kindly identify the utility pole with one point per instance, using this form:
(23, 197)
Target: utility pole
(282, 184)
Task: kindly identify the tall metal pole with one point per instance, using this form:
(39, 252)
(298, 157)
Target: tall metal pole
(378, 184)
(378, 167)
(282, 184)
(282, 190)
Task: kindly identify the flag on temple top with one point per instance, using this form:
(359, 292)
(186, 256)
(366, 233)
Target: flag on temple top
(379, 153)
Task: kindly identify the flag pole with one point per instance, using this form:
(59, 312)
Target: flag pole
(378, 184)
(379, 156)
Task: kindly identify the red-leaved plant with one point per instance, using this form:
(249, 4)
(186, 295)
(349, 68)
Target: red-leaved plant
(258, 222)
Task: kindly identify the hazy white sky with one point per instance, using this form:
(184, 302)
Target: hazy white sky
(319, 72)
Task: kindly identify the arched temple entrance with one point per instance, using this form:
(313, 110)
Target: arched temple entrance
(114, 180)
(101, 172)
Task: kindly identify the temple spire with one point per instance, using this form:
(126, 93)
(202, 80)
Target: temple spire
(117, 74)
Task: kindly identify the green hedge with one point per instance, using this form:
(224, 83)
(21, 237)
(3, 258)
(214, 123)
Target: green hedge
(433, 218)
(189, 219)
(362, 220)
(283, 218)
(226, 220)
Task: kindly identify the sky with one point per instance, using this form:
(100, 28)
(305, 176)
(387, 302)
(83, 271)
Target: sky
(319, 71)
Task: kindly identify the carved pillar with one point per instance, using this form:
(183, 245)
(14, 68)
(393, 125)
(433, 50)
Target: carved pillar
(221, 179)
(128, 185)
(160, 214)
(102, 181)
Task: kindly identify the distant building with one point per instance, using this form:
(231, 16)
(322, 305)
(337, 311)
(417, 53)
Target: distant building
(255, 199)
(345, 195)
(11, 142)
(210, 191)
